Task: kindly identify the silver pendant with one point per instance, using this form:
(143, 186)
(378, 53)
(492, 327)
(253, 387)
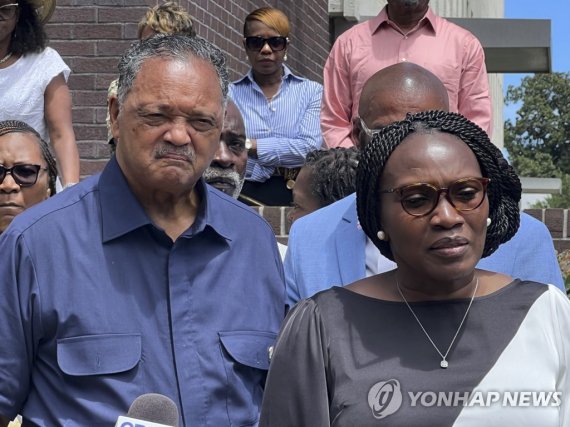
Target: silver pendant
(444, 364)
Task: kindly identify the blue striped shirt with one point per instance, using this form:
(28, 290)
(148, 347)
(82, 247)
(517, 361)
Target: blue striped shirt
(286, 128)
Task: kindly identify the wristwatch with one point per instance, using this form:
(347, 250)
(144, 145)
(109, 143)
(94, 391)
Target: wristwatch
(248, 144)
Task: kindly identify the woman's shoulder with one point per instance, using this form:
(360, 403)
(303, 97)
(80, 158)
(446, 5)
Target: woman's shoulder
(51, 63)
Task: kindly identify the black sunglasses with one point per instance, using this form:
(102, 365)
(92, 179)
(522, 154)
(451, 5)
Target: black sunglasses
(8, 11)
(24, 175)
(275, 43)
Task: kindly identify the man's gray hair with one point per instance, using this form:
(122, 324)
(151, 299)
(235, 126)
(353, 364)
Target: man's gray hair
(175, 46)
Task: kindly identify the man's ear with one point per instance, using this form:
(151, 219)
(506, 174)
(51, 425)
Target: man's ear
(113, 116)
(356, 132)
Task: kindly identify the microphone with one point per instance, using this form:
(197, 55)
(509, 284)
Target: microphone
(150, 410)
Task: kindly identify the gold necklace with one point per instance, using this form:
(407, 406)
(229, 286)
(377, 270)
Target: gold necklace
(444, 363)
(8, 56)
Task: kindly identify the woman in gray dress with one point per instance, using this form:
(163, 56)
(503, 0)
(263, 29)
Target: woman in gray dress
(435, 342)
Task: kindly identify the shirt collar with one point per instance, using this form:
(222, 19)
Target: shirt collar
(382, 19)
(248, 78)
(121, 212)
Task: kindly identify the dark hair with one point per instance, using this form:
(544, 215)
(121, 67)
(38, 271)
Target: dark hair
(504, 191)
(29, 36)
(14, 126)
(333, 173)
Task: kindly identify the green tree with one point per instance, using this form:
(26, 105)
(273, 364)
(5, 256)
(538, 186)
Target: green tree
(538, 141)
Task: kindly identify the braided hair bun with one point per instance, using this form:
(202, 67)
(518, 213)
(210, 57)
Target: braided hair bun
(503, 192)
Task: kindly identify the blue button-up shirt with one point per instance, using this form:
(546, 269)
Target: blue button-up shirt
(99, 306)
(286, 128)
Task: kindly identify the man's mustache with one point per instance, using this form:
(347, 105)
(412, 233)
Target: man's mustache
(185, 152)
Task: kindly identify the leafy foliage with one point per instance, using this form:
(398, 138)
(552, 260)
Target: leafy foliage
(538, 141)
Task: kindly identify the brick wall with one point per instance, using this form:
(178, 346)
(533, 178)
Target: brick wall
(91, 35)
(558, 222)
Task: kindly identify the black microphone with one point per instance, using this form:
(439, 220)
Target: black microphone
(150, 410)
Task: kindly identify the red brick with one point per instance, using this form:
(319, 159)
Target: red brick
(85, 98)
(87, 150)
(102, 81)
(93, 65)
(288, 223)
(81, 81)
(561, 245)
(60, 31)
(101, 116)
(273, 215)
(66, 47)
(121, 14)
(91, 167)
(118, 48)
(74, 14)
(554, 219)
(83, 115)
(91, 132)
(98, 31)
(536, 213)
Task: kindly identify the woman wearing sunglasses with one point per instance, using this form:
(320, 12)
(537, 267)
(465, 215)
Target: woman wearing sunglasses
(33, 80)
(281, 110)
(434, 342)
(27, 170)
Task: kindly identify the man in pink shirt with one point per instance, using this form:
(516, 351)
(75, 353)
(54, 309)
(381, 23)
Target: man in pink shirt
(405, 30)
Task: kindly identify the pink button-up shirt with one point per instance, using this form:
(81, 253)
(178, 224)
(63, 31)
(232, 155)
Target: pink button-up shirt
(447, 50)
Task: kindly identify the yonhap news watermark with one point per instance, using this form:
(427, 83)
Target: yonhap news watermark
(480, 398)
(386, 397)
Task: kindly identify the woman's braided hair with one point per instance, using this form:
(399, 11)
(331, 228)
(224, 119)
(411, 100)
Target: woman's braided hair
(504, 190)
(333, 173)
(13, 126)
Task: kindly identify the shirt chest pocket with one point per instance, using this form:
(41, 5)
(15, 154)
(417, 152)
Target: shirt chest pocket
(105, 354)
(245, 355)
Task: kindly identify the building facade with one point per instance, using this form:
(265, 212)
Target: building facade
(91, 36)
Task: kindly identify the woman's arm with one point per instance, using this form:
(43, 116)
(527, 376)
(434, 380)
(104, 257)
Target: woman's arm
(57, 110)
(290, 151)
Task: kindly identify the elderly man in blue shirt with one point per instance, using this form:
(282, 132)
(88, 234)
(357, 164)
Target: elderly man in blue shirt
(137, 280)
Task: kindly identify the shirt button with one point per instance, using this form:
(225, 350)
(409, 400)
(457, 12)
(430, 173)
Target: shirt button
(404, 59)
(273, 109)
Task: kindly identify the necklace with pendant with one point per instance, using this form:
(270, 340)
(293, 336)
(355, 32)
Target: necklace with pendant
(8, 56)
(444, 363)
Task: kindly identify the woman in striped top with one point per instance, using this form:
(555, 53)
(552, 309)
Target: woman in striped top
(281, 110)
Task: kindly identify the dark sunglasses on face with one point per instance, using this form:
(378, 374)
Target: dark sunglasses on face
(256, 43)
(24, 175)
(421, 199)
(8, 11)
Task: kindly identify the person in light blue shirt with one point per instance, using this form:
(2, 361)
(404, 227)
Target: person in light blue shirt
(328, 247)
(281, 110)
(137, 280)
